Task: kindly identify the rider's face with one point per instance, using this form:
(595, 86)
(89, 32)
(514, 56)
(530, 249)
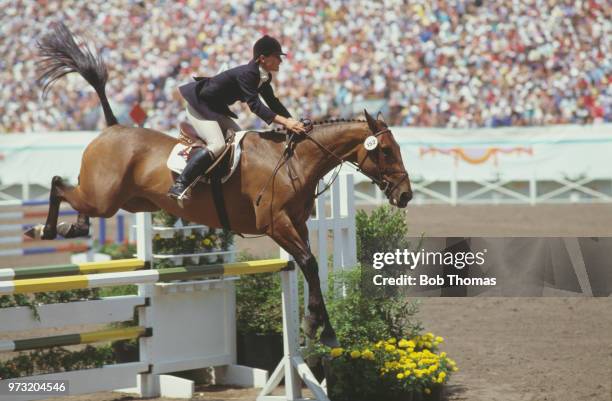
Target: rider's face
(271, 62)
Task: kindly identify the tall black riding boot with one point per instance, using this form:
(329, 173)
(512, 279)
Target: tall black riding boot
(197, 165)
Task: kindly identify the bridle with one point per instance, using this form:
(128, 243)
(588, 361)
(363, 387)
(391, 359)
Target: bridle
(383, 183)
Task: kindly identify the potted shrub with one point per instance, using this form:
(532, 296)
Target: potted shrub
(259, 321)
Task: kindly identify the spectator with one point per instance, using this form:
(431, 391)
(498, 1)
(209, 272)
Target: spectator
(437, 63)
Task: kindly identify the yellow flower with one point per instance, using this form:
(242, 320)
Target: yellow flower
(439, 339)
(442, 375)
(389, 347)
(400, 376)
(455, 369)
(442, 354)
(355, 354)
(403, 343)
(427, 391)
(392, 340)
(336, 352)
(367, 354)
(428, 344)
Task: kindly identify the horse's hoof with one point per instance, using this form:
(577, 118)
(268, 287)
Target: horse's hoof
(72, 230)
(328, 338)
(35, 232)
(310, 326)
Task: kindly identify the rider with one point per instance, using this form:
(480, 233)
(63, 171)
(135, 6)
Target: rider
(208, 100)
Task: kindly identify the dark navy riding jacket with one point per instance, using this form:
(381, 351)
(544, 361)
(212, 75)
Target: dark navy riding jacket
(239, 83)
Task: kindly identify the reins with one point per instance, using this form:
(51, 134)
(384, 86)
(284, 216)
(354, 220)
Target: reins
(284, 158)
(382, 183)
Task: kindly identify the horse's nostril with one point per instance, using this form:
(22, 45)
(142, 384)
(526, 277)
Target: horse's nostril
(405, 197)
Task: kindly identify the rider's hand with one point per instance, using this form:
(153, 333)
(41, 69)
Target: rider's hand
(294, 125)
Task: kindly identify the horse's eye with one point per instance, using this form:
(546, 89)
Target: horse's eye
(388, 155)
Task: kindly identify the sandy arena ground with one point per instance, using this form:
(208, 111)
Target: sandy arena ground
(508, 349)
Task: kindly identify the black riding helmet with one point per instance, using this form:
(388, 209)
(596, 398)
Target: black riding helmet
(266, 46)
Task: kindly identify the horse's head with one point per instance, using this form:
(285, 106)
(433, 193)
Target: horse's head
(381, 160)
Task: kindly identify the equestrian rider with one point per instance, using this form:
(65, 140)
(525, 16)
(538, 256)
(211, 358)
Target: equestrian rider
(208, 100)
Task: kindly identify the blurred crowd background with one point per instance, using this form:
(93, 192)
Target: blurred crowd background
(424, 63)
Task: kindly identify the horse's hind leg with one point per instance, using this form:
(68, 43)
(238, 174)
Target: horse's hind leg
(74, 197)
(75, 230)
(50, 229)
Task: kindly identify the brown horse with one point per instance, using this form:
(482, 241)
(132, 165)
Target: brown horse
(124, 168)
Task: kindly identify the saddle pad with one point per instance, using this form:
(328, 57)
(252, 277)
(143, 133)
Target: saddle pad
(177, 160)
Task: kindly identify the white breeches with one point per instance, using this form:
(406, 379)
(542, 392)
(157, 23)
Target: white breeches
(208, 130)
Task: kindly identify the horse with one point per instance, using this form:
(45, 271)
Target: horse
(124, 168)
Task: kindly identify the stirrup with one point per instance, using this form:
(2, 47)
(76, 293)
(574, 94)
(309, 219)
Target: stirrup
(185, 195)
(182, 195)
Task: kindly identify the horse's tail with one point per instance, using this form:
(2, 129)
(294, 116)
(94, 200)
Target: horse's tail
(62, 55)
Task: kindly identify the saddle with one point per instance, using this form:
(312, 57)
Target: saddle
(222, 166)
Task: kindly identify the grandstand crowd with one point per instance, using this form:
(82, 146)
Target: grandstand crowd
(436, 63)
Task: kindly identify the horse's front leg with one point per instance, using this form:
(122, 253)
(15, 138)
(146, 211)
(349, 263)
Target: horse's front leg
(291, 239)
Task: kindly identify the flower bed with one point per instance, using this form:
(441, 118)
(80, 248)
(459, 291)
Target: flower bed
(406, 370)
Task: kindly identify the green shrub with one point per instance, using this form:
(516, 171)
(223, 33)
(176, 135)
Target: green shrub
(258, 301)
(384, 230)
(258, 304)
(360, 317)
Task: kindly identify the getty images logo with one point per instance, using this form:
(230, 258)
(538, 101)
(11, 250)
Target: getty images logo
(412, 259)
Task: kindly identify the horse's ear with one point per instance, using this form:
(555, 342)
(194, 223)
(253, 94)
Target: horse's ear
(370, 120)
(379, 117)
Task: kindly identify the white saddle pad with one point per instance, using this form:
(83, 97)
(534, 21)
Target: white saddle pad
(178, 157)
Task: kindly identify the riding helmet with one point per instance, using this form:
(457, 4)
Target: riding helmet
(266, 46)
